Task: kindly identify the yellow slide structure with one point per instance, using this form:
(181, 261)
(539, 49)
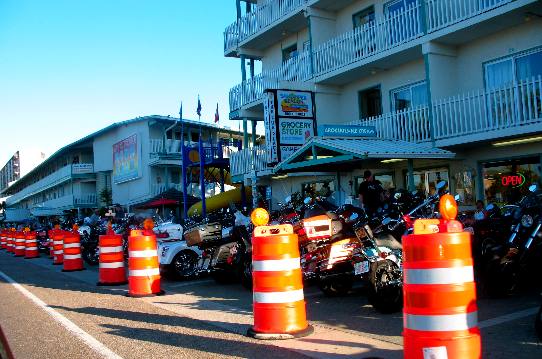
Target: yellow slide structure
(221, 200)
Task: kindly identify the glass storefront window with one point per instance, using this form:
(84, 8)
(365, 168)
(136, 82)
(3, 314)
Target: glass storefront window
(426, 181)
(322, 188)
(464, 186)
(506, 182)
(386, 179)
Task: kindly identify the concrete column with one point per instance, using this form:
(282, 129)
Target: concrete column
(411, 186)
(245, 133)
(254, 123)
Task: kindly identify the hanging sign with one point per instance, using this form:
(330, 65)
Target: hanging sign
(295, 104)
(269, 116)
(295, 131)
(346, 131)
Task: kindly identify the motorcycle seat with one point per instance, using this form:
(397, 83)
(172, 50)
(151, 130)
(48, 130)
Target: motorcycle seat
(388, 241)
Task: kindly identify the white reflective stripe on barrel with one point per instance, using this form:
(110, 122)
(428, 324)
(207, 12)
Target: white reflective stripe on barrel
(72, 245)
(452, 275)
(72, 256)
(31, 241)
(19, 240)
(58, 252)
(58, 242)
(276, 265)
(30, 249)
(111, 249)
(278, 297)
(441, 323)
(143, 272)
(143, 254)
(112, 265)
(20, 247)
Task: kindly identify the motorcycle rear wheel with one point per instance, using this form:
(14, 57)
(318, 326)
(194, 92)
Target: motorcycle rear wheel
(184, 265)
(384, 295)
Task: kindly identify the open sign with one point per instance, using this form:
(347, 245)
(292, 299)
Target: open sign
(513, 180)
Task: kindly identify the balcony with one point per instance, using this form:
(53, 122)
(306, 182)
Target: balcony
(480, 115)
(62, 175)
(158, 188)
(261, 27)
(296, 69)
(249, 160)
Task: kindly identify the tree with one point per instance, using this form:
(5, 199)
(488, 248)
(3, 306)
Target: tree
(106, 197)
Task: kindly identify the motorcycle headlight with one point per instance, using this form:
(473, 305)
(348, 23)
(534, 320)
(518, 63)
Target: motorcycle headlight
(164, 251)
(526, 220)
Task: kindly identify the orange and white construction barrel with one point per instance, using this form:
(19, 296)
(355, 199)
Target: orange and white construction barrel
(71, 251)
(10, 240)
(440, 312)
(20, 245)
(143, 267)
(278, 298)
(112, 270)
(4, 239)
(58, 246)
(31, 246)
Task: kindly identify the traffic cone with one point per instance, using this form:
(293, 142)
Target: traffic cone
(440, 312)
(143, 267)
(112, 270)
(20, 246)
(279, 304)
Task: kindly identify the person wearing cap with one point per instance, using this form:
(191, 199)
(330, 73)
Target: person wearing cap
(371, 193)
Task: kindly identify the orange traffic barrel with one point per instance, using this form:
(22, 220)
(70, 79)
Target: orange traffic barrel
(4, 239)
(440, 315)
(58, 247)
(50, 242)
(31, 246)
(111, 271)
(20, 245)
(10, 240)
(71, 251)
(143, 267)
(279, 303)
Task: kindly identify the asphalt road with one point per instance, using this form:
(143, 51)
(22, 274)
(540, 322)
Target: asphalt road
(200, 319)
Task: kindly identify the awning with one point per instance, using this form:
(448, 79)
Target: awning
(45, 212)
(341, 151)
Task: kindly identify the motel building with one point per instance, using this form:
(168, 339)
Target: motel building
(417, 91)
(134, 161)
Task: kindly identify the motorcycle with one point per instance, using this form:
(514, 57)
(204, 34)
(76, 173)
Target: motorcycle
(90, 251)
(223, 247)
(516, 262)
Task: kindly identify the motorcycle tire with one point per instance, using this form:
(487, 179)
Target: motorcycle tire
(184, 265)
(336, 288)
(500, 279)
(245, 273)
(538, 323)
(90, 258)
(384, 296)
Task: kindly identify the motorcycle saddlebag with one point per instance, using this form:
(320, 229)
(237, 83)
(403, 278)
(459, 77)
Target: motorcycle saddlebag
(204, 235)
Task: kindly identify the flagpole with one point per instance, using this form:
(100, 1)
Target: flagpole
(183, 165)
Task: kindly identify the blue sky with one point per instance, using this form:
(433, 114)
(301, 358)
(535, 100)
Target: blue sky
(70, 67)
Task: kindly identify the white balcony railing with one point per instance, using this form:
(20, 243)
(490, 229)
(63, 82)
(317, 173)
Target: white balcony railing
(172, 146)
(158, 188)
(296, 69)
(60, 202)
(443, 13)
(369, 39)
(515, 105)
(408, 125)
(265, 14)
(85, 199)
(248, 160)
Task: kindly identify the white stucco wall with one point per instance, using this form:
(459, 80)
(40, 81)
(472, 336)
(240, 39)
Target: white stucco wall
(272, 57)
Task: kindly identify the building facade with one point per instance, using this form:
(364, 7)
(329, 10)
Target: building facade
(464, 77)
(127, 163)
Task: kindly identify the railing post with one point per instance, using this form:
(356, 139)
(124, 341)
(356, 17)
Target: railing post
(423, 15)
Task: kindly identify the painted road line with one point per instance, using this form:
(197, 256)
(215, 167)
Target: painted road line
(507, 318)
(89, 340)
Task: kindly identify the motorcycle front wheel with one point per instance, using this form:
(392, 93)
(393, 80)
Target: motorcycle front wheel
(385, 289)
(184, 265)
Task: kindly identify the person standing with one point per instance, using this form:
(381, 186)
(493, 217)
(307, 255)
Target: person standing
(370, 193)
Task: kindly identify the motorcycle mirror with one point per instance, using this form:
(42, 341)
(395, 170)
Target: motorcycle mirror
(533, 188)
(490, 207)
(288, 199)
(441, 184)
(457, 198)
(386, 221)
(397, 195)
(414, 193)
(307, 200)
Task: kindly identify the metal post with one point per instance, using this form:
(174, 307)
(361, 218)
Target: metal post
(251, 68)
(254, 133)
(411, 186)
(183, 171)
(202, 177)
(238, 8)
(245, 133)
(222, 189)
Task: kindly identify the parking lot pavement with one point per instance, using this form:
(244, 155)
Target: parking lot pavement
(200, 318)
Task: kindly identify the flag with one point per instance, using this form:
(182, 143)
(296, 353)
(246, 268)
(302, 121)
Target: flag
(217, 117)
(198, 110)
(181, 111)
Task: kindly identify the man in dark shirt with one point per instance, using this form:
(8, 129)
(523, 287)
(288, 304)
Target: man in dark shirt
(370, 193)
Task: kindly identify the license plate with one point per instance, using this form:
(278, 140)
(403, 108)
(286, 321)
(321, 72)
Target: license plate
(361, 267)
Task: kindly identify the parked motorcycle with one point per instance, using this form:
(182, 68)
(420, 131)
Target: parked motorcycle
(517, 261)
(90, 233)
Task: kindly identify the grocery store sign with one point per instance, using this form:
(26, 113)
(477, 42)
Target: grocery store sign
(513, 181)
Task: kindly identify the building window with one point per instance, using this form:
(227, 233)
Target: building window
(289, 52)
(515, 68)
(426, 181)
(318, 188)
(363, 17)
(387, 180)
(506, 182)
(370, 102)
(393, 7)
(410, 96)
